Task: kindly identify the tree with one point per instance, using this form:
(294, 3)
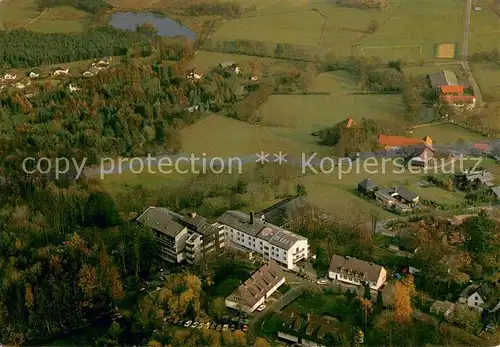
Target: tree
(478, 232)
(218, 307)
(367, 295)
(402, 303)
(300, 189)
(261, 342)
(239, 338)
(154, 343)
(100, 210)
(373, 26)
(467, 318)
(380, 300)
(115, 331)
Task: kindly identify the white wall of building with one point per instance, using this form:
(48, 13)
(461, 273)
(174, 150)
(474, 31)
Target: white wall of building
(344, 277)
(288, 337)
(284, 257)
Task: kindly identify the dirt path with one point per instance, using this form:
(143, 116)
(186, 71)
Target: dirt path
(465, 63)
(37, 18)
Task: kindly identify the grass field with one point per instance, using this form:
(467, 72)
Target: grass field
(26, 14)
(487, 75)
(447, 133)
(485, 28)
(303, 114)
(326, 27)
(18, 13)
(62, 19)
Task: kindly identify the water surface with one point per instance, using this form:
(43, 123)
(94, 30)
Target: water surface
(165, 26)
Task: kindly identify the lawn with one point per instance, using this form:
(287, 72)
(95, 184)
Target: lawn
(487, 75)
(63, 19)
(416, 23)
(485, 28)
(447, 133)
(325, 27)
(204, 61)
(18, 13)
(288, 23)
(303, 114)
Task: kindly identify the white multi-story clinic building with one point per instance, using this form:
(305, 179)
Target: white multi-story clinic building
(273, 242)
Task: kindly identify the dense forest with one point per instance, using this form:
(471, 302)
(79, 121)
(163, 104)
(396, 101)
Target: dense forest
(22, 48)
(92, 6)
(57, 270)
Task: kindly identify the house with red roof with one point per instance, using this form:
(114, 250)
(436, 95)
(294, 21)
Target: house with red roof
(460, 101)
(389, 142)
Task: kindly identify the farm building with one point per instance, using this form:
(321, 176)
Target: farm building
(367, 186)
(444, 78)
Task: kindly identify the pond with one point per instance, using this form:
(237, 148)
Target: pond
(165, 26)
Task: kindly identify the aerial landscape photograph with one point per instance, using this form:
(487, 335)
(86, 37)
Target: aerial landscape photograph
(318, 173)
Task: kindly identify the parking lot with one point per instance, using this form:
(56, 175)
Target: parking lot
(225, 324)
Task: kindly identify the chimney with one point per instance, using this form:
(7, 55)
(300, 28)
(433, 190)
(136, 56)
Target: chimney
(251, 217)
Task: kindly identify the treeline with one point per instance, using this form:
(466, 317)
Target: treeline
(22, 48)
(364, 4)
(229, 9)
(261, 49)
(91, 6)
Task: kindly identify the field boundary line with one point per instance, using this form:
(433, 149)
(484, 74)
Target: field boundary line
(37, 18)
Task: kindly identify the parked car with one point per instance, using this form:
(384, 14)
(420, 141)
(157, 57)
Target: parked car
(207, 325)
(323, 281)
(176, 321)
(187, 324)
(261, 308)
(245, 328)
(233, 327)
(181, 322)
(225, 327)
(201, 325)
(219, 327)
(194, 325)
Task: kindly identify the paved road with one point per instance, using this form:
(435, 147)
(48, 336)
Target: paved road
(464, 62)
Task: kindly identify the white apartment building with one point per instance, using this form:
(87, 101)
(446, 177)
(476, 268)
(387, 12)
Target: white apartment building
(273, 242)
(182, 238)
(357, 272)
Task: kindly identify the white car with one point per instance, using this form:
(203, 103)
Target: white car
(261, 308)
(194, 325)
(322, 282)
(207, 325)
(188, 323)
(225, 327)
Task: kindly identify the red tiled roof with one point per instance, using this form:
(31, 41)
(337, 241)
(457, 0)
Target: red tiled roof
(453, 99)
(452, 89)
(350, 123)
(399, 141)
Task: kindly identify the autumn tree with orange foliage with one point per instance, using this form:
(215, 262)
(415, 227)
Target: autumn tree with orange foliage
(402, 303)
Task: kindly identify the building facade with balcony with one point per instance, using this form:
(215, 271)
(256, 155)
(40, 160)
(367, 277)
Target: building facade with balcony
(170, 234)
(182, 238)
(273, 242)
